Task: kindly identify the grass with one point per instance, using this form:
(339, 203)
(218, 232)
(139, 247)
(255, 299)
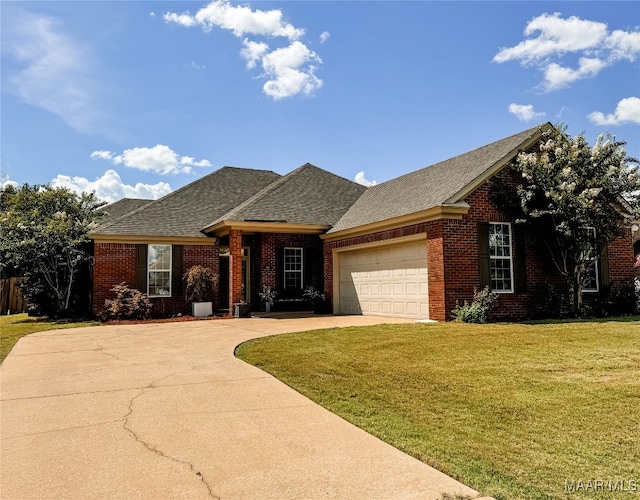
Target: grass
(14, 327)
(512, 410)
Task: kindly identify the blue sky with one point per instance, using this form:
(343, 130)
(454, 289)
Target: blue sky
(140, 98)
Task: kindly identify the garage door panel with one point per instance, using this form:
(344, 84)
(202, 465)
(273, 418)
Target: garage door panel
(387, 281)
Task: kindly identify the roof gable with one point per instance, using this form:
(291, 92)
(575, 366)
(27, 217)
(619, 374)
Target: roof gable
(444, 183)
(184, 212)
(308, 195)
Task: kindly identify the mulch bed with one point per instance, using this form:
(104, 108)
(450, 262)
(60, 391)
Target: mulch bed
(177, 319)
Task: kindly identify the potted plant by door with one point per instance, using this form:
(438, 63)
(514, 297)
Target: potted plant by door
(268, 296)
(199, 281)
(316, 298)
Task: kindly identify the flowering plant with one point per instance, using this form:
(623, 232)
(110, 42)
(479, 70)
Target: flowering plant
(312, 294)
(268, 295)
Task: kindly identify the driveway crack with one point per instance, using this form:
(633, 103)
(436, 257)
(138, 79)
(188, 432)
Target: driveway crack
(129, 429)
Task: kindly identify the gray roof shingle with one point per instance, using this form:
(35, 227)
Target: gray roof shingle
(119, 208)
(186, 211)
(428, 187)
(308, 195)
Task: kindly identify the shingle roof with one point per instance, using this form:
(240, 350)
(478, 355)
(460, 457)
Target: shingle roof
(186, 211)
(431, 186)
(121, 207)
(308, 195)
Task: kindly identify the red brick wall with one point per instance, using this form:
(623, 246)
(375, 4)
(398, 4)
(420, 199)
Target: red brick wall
(621, 261)
(436, 270)
(269, 246)
(115, 263)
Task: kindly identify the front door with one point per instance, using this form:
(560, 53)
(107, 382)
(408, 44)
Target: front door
(246, 275)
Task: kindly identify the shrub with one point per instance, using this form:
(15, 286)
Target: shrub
(128, 303)
(199, 281)
(478, 310)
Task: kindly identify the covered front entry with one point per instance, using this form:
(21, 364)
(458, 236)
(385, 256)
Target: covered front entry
(385, 280)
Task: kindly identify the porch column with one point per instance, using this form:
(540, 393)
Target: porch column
(235, 267)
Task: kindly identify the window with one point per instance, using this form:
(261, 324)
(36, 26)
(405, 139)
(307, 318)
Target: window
(293, 267)
(500, 257)
(159, 271)
(590, 279)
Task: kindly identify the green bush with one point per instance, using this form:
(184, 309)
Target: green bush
(128, 303)
(478, 310)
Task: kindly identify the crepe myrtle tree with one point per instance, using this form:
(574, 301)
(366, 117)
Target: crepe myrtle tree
(44, 239)
(579, 197)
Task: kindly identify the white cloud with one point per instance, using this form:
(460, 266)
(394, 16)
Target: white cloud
(627, 111)
(159, 159)
(103, 155)
(550, 38)
(289, 70)
(253, 52)
(194, 65)
(557, 77)
(5, 181)
(524, 112)
(324, 36)
(110, 187)
(55, 72)
(237, 19)
(283, 67)
(361, 179)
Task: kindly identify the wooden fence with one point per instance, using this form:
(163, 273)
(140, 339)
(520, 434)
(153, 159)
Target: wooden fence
(11, 300)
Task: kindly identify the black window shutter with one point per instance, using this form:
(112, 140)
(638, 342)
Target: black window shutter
(604, 268)
(141, 269)
(307, 269)
(176, 270)
(280, 269)
(520, 259)
(483, 247)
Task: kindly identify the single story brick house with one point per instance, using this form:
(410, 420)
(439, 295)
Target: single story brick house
(410, 247)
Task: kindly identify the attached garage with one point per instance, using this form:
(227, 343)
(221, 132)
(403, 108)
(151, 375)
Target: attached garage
(385, 280)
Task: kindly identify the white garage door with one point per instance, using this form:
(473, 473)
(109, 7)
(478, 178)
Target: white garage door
(385, 281)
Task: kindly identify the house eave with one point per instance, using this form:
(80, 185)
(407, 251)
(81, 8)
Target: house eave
(223, 228)
(151, 239)
(444, 211)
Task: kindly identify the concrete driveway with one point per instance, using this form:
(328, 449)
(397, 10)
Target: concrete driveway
(166, 411)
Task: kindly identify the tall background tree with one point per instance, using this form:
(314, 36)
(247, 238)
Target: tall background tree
(44, 239)
(579, 198)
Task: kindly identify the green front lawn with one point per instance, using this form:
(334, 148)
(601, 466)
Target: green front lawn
(512, 410)
(16, 326)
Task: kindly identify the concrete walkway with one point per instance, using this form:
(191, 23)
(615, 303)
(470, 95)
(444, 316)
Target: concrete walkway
(166, 411)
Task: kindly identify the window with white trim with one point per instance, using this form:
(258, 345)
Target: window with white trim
(293, 267)
(159, 271)
(500, 257)
(590, 279)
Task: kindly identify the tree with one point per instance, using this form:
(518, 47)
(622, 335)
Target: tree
(44, 238)
(579, 197)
